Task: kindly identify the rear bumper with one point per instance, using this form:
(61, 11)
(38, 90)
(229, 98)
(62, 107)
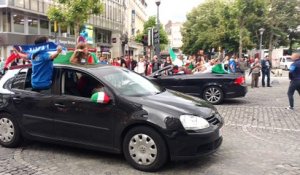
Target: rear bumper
(236, 91)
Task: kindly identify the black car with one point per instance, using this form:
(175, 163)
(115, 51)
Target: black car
(109, 109)
(213, 88)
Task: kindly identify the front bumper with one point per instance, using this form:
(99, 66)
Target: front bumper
(193, 145)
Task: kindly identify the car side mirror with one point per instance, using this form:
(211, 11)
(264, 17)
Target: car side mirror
(100, 97)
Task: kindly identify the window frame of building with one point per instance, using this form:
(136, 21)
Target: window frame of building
(29, 21)
(44, 29)
(15, 25)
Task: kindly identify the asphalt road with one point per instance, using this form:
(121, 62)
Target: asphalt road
(260, 138)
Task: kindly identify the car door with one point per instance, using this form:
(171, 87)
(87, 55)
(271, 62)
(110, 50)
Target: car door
(34, 107)
(78, 119)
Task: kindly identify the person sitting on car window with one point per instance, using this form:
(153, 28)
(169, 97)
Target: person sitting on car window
(42, 65)
(81, 55)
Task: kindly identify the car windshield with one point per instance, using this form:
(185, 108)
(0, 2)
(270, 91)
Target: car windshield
(129, 83)
(289, 59)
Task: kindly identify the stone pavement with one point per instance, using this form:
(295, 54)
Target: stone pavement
(260, 138)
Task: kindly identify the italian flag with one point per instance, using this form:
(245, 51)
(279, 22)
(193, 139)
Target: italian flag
(100, 97)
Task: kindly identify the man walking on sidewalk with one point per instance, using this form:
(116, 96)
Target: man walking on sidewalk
(294, 76)
(266, 66)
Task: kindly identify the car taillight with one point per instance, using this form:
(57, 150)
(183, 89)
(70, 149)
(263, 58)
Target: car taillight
(239, 80)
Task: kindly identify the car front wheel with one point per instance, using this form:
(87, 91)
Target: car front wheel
(9, 131)
(213, 94)
(145, 149)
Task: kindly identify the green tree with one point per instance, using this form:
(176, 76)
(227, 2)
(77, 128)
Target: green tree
(280, 17)
(209, 26)
(151, 22)
(246, 12)
(74, 12)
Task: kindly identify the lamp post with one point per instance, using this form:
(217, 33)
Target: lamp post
(261, 32)
(157, 2)
(291, 37)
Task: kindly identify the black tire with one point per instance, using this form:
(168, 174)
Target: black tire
(10, 135)
(158, 159)
(213, 94)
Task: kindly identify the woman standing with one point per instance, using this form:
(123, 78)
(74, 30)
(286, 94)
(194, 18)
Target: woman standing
(141, 67)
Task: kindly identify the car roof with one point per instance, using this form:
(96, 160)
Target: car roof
(88, 68)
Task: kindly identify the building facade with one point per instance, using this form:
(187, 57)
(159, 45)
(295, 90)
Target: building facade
(174, 35)
(134, 19)
(21, 21)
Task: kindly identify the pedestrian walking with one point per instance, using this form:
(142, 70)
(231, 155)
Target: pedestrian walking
(294, 76)
(255, 71)
(266, 66)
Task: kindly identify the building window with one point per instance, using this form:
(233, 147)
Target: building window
(27, 4)
(34, 5)
(72, 30)
(64, 30)
(19, 3)
(32, 25)
(44, 27)
(6, 22)
(18, 23)
(41, 6)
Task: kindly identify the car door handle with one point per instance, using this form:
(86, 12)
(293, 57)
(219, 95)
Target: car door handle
(59, 105)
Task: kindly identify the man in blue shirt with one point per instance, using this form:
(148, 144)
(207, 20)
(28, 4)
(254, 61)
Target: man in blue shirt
(232, 65)
(42, 65)
(294, 76)
(266, 66)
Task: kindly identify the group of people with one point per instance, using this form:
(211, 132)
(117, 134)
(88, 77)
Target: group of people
(261, 67)
(190, 65)
(42, 66)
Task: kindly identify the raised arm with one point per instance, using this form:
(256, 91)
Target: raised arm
(53, 56)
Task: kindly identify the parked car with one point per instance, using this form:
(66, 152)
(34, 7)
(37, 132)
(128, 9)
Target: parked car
(285, 62)
(213, 88)
(110, 109)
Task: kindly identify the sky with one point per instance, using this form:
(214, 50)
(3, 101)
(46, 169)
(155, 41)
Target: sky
(174, 10)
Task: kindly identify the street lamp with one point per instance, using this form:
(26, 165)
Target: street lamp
(261, 32)
(157, 2)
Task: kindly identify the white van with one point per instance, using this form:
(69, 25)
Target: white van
(285, 62)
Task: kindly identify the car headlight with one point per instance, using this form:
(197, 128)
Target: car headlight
(191, 122)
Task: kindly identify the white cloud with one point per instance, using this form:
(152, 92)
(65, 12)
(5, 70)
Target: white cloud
(174, 10)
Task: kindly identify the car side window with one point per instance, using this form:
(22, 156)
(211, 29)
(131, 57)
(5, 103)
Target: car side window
(79, 84)
(22, 80)
(19, 81)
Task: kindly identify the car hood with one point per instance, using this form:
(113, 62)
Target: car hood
(175, 103)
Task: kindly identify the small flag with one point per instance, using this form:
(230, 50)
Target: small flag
(100, 97)
(172, 54)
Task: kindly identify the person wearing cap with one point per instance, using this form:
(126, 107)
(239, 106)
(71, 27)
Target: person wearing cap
(294, 76)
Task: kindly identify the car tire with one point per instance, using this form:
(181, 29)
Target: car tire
(144, 149)
(286, 68)
(10, 135)
(213, 94)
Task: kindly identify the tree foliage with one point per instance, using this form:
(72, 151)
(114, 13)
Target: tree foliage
(151, 22)
(74, 12)
(233, 25)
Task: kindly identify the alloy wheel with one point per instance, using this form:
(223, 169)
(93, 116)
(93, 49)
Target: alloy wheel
(213, 95)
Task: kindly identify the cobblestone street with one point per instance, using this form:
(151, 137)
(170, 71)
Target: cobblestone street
(261, 137)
